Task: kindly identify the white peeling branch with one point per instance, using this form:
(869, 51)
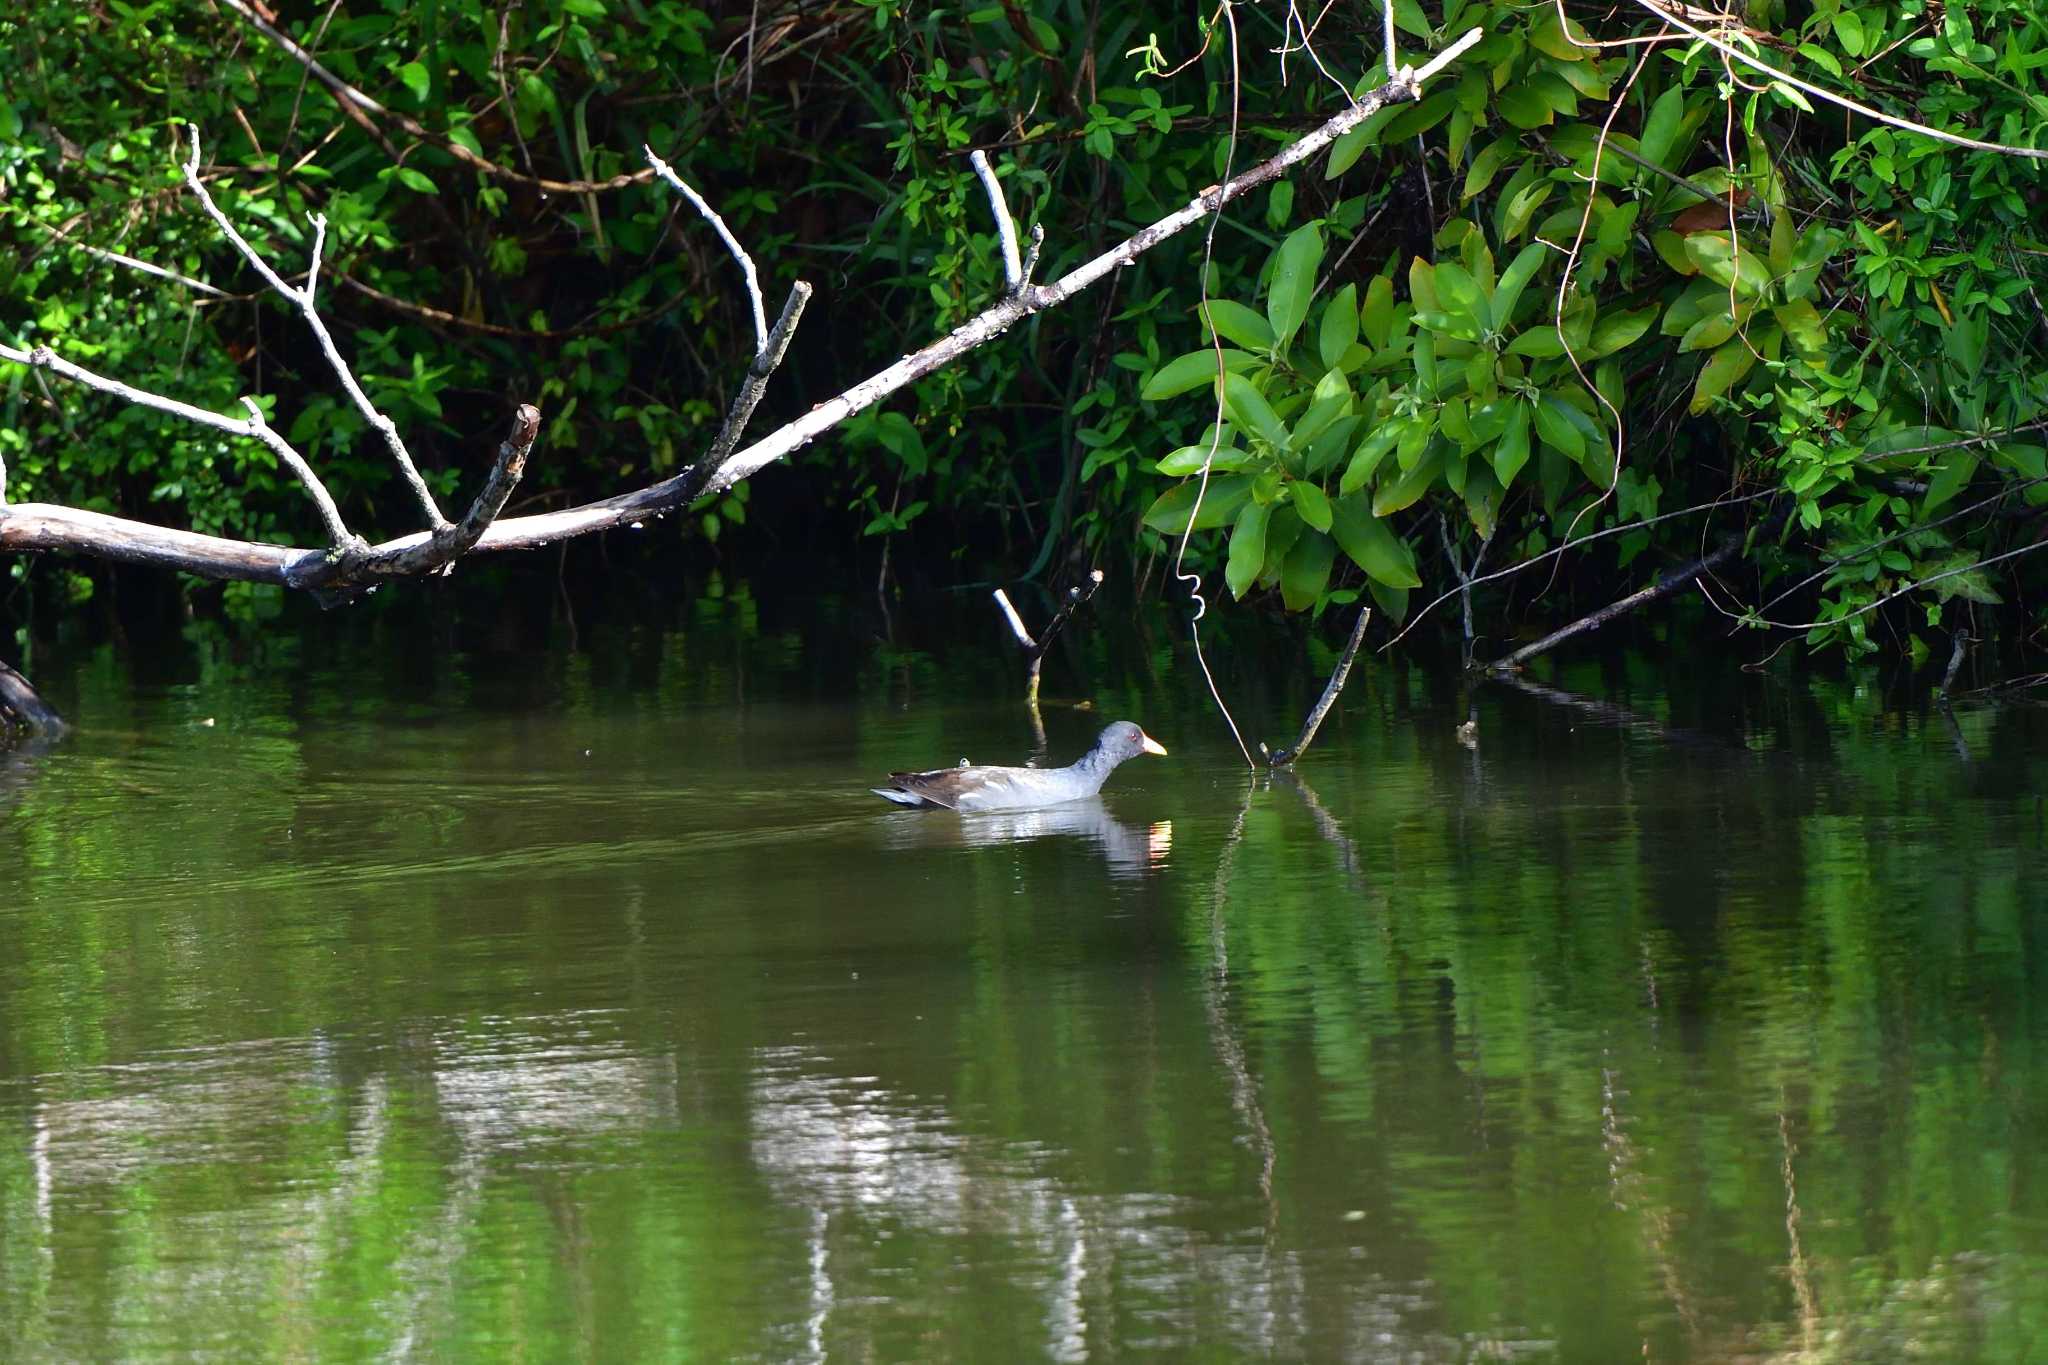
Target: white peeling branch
(624, 509)
(337, 530)
(1024, 639)
(42, 357)
(1006, 226)
(35, 526)
(1670, 15)
(198, 286)
(732, 243)
(302, 299)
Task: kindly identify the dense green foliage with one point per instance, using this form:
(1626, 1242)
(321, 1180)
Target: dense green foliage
(1518, 311)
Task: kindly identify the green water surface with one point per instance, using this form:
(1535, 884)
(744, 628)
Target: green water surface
(504, 1007)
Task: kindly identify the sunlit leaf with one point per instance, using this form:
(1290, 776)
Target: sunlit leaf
(1193, 370)
(1226, 494)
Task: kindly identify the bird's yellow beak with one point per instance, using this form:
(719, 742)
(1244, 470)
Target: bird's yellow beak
(1152, 746)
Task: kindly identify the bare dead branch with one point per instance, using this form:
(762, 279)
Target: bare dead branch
(254, 426)
(1009, 610)
(442, 548)
(756, 382)
(302, 299)
(732, 243)
(1031, 256)
(1338, 675)
(36, 526)
(1006, 226)
(337, 530)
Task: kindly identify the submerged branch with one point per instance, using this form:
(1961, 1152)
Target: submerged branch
(1329, 698)
(19, 699)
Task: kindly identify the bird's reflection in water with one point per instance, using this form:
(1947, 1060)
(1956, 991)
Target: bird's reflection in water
(1131, 851)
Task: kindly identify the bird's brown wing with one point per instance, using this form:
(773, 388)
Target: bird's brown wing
(940, 786)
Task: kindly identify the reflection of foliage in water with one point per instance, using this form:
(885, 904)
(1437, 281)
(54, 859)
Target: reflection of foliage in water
(318, 1028)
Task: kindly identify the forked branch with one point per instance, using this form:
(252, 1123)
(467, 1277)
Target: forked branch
(37, 526)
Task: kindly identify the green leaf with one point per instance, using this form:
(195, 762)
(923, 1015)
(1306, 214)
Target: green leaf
(1513, 281)
(1524, 106)
(1376, 314)
(1708, 332)
(1724, 369)
(1393, 601)
(1247, 548)
(1326, 448)
(1660, 129)
(1312, 503)
(1339, 330)
(1251, 412)
(1555, 427)
(1483, 495)
(415, 181)
(1511, 451)
(1346, 150)
(1321, 413)
(1486, 164)
(1821, 57)
(1517, 212)
(1462, 296)
(1370, 452)
(1849, 32)
(1306, 570)
(1187, 460)
(416, 79)
(1951, 476)
(1724, 261)
(1227, 493)
(1237, 323)
(1193, 370)
(1547, 35)
(1371, 545)
(1294, 280)
(1538, 342)
(1907, 439)
(1407, 490)
(1804, 324)
(1618, 331)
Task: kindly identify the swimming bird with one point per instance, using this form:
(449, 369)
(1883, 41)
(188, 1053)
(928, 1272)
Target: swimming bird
(990, 787)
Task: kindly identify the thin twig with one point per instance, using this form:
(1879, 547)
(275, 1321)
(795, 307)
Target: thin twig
(1893, 596)
(739, 253)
